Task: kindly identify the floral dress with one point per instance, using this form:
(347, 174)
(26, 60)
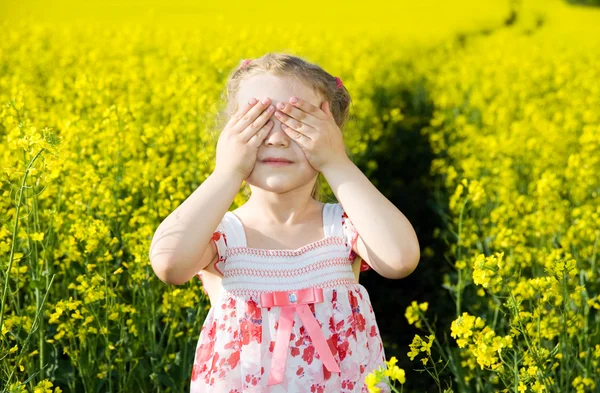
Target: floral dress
(288, 321)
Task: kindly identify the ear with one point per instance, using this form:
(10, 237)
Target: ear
(325, 108)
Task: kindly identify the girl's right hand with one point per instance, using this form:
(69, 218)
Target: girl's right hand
(242, 136)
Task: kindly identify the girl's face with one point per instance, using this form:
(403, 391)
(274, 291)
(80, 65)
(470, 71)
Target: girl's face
(277, 143)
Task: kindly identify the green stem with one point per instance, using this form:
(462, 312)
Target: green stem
(459, 255)
(447, 356)
(14, 238)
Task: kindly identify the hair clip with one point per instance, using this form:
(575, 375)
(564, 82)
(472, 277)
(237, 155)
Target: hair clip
(245, 63)
(339, 82)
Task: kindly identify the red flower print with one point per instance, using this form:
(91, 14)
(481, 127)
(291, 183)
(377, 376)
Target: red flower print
(271, 346)
(349, 332)
(234, 359)
(251, 380)
(343, 350)
(308, 354)
(250, 332)
(373, 332)
(230, 304)
(317, 388)
(213, 366)
(198, 369)
(253, 310)
(204, 352)
(332, 341)
(230, 344)
(334, 297)
(295, 351)
(360, 321)
(299, 371)
(353, 301)
(212, 331)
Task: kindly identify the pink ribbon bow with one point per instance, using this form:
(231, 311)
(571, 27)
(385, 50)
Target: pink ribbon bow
(291, 301)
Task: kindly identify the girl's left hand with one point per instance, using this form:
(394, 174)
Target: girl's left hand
(314, 130)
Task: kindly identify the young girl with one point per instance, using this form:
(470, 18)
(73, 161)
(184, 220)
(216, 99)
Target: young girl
(287, 312)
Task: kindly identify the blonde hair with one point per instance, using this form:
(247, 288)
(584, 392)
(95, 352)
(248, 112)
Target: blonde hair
(286, 65)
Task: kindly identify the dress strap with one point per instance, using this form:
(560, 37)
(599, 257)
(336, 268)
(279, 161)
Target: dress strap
(349, 233)
(226, 235)
(330, 226)
(335, 220)
(235, 230)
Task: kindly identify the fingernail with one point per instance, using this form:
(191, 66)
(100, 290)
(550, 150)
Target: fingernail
(252, 101)
(293, 100)
(265, 101)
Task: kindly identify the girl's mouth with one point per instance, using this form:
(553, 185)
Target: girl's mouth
(277, 163)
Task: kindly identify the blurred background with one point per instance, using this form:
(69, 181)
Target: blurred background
(479, 121)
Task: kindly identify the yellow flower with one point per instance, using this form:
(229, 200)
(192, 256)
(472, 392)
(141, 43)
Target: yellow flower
(419, 345)
(414, 311)
(392, 361)
(396, 373)
(461, 328)
(371, 380)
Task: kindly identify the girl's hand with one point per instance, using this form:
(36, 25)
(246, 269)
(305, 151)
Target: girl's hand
(242, 136)
(315, 130)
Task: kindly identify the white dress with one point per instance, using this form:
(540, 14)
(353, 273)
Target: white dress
(237, 341)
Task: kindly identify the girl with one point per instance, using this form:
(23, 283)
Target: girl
(287, 312)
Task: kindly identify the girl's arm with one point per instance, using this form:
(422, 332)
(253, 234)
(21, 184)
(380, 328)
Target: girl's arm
(181, 239)
(387, 240)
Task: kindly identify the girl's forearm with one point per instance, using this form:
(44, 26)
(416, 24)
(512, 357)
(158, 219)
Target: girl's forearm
(391, 246)
(181, 239)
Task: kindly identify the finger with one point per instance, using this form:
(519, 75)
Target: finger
(246, 117)
(294, 124)
(240, 112)
(297, 136)
(256, 125)
(309, 109)
(257, 139)
(299, 114)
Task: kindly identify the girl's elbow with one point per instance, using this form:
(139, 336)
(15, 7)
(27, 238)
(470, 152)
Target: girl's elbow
(407, 267)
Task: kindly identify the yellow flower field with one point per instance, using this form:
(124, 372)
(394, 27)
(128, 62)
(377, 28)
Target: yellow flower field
(107, 127)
